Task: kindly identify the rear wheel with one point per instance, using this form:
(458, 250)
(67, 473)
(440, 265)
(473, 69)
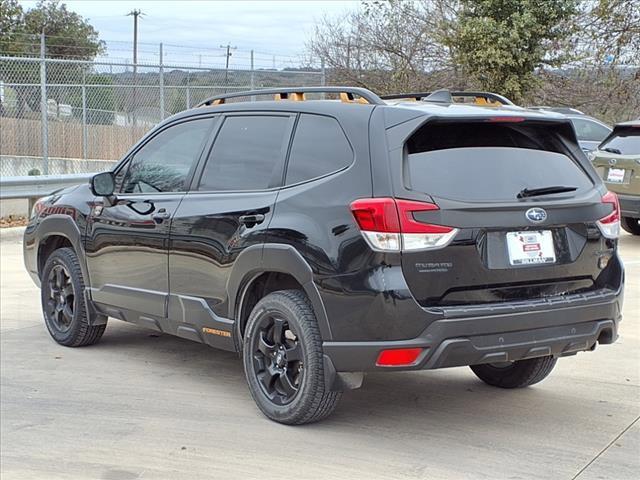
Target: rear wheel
(631, 225)
(283, 360)
(63, 302)
(521, 373)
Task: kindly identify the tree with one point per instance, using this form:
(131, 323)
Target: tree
(11, 26)
(67, 34)
(603, 80)
(502, 43)
(386, 46)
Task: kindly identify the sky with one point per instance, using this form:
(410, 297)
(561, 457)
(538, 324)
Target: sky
(269, 27)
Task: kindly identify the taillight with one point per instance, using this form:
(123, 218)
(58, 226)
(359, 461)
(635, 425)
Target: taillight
(389, 225)
(610, 225)
(398, 357)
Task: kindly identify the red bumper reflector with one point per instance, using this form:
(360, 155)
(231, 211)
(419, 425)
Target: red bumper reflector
(398, 357)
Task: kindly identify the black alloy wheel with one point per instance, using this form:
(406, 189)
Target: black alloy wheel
(60, 306)
(277, 357)
(283, 360)
(68, 316)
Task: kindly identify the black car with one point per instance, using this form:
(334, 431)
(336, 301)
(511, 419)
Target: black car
(326, 238)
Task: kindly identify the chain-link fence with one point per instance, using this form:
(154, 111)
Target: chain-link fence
(68, 116)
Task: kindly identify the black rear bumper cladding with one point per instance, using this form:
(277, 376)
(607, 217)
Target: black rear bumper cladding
(562, 328)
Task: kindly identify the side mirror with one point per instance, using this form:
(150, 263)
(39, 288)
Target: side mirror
(103, 185)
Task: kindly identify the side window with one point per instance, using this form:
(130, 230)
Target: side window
(590, 131)
(164, 162)
(319, 147)
(248, 154)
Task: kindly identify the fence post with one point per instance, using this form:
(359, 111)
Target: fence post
(188, 91)
(43, 105)
(161, 86)
(84, 115)
(253, 78)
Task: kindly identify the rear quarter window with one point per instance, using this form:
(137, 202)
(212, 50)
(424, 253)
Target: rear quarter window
(319, 147)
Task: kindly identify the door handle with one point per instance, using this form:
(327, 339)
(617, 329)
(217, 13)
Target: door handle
(251, 220)
(161, 214)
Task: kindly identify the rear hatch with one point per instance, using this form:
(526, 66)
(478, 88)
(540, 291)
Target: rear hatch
(513, 239)
(617, 160)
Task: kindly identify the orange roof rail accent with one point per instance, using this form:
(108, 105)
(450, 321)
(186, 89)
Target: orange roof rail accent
(293, 96)
(486, 102)
(297, 94)
(347, 97)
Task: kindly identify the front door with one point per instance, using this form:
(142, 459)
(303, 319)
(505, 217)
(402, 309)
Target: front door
(127, 241)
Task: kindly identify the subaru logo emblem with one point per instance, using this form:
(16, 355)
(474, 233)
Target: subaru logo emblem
(612, 161)
(536, 215)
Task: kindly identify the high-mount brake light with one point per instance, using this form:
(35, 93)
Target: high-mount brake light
(505, 119)
(389, 225)
(610, 225)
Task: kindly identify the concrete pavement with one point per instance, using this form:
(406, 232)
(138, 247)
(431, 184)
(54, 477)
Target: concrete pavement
(145, 406)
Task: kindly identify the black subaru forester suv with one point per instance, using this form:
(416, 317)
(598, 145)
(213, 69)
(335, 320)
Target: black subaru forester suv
(326, 238)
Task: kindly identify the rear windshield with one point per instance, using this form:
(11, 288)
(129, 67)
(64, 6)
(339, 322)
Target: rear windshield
(488, 163)
(623, 142)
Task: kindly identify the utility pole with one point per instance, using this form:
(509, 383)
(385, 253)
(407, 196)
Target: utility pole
(135, 13)
(226, 68)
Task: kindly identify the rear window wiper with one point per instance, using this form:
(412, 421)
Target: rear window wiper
(534, 192)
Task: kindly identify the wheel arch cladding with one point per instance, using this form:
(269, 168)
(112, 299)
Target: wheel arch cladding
(58, 231)
(269, 262)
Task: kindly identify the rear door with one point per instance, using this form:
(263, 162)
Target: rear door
(226, 211)
(506, 247)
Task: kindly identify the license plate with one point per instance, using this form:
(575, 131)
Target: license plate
(532, 247)
(615, 175)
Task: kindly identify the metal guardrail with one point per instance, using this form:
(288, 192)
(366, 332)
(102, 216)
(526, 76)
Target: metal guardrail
(37, 186)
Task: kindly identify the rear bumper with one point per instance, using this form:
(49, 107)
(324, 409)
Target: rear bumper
(629, 205)
(497, 333)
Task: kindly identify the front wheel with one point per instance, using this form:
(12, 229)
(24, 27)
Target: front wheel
(283, 360)
(521, 373)
(63, 303)
(631, 225)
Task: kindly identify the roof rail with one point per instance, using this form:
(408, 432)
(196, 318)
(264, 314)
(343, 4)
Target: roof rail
(347, 94)
(492, 97)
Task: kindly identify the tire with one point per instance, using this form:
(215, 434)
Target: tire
(63, 302)
(521, 373)
(289, 388)
(631, 225)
